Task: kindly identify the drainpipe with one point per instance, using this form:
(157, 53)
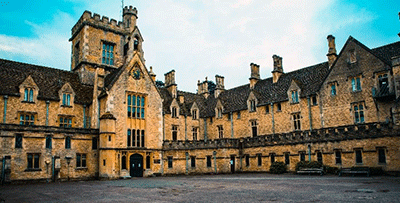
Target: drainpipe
(309, 153)
(205, 130)
(187, 163)
(215, 161)
(47, 112)
(5, 108)
(309, 112)
(185, 127)
(84, 116)
(273, 119)
(231, 124)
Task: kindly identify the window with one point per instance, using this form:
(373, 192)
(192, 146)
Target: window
(208, 161)
(259, 159)
(28, 95)
(358, 113)
(81, 160)
(272, 158)
(383, 81)
(295, 96)
(296, 121)
(18, 141)
(252, 105)
(109, 138)
(108, 54)
(319, 157)
(220, 131)
(352, 56)
(68, 142)
(123, 162)
(76, 54)
(194, 114)
(254, 128)
(33, 161)
(148, 162)
(65, 122)
(193, 161)
(333, 89)
(358, 156)
(287, 158)
(135, 44)
(135, 138)
(26, 119)
(338, 157)
(66, 99)
(278, 107)
(219, 113)
(94, 143)
(174, 112)
(381, 155)
(238, 115)
(314, 100)
(356, 83)
(136, 106)
(302, 156)
(267, 109)
(195, 131)
(247, 158)
(170, 162)
(48, 142)
(174, 133)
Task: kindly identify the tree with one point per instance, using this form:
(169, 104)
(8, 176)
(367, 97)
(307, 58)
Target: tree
(211, 86)
(159, 84)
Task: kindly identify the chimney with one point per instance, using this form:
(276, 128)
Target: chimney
(170, 83)
(152, 74)
(202, 88)
(332, 50)
(255, 74)
(278, 69)
(219, 87)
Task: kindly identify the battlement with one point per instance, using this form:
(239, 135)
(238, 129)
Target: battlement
(101, 22)
(131, 10)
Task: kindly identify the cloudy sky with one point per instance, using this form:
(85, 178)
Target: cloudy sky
(202, 38)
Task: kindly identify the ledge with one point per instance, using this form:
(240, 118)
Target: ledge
(46, 129)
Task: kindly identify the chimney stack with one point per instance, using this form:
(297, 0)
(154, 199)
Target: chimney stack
(202, 88)
(278, 68)
(219, 80)
(332, 50)
(255, 74)
(170, 83)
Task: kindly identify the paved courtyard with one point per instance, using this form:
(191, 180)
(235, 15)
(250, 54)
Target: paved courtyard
(212, 188)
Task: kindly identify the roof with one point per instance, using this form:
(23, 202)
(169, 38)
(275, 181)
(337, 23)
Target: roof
(388, 51)
(48, 80)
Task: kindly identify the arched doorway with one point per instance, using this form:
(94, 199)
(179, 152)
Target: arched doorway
(136, 165)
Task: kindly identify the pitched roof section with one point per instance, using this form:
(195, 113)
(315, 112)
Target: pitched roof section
(388, 51)
(48, 80)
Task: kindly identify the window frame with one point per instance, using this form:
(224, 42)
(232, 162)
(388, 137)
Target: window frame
(220, 131)
(259, 159)
(287, 158)
(107, 56)
(26, 118)
(48, 142)
(33, 161)
(333, 90)
(209, 161)
(170, 162)
(356, 85)
(358, 156)
(174, 133)
(296, 121)
(295, 96)
(359, 112)
(18, 141)
(81, 160)
(136, 106)
(247, 160)
(193, 162)
(338, 157)
(195, 132)
(67, 142)
(382, 158)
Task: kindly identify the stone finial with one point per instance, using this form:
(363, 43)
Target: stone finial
(152, 74)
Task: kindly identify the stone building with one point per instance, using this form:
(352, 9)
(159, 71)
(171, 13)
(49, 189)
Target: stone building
(106, 118)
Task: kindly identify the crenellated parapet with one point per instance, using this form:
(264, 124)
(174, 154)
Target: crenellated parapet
(101, 22)
(341, 133)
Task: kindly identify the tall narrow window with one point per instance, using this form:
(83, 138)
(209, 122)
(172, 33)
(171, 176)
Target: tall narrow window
(338, 157)
(174, 133)
(28, 95)
(254, 128)
(170, 162)
(18, 141)
(247, 158)
(278, 107)
(94, 143)
(381, 155)
(68, 142)
(272, 158)
(302, 156)
(219, 112)
(129, 138)
(267, 109)
(252, 105)
(81, 160)
(220, 131)
(208, 161)
(135, 106)
(314, 100)
(148, 161)
(31, 95)
(296, 121)
(238, 115)
(259, 159)
(193, 161)
(333, 89)
(194, 114)
(295, 96)
(33, 161)
(358, 156)
(123, 162)
(174, 112)
(48, 142)
(108, 54)
(287, 158)
(142, 139)
(358, 113)
(66, 99)
(195, 132)
(137, 138)
(356, 83)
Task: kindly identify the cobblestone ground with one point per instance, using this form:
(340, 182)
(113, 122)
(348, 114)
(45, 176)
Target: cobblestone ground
(212, 188)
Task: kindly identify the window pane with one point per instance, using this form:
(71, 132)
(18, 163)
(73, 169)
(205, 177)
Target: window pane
(142, 101)
(138, 101)
(129, 100)
(83, 160)
(31, 95)
(142, 112)
(30, 161)
(129, 141)
(78, 160)
(358, 84)
(133, 100)
(26, 94)
(36, 161)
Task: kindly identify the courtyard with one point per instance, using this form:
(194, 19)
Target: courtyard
(212, 188)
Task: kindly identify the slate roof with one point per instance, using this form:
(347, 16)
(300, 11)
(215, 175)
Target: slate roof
(48, 80)
(388, 51)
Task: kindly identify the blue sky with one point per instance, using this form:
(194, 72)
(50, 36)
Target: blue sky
(203, 38)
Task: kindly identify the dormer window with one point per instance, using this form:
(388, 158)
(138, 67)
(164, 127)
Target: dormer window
(66, 99)
(278, 107)
(194, 114)
(383, 81)
(174, 112)
(28, 95)
(219, 112)
(333, 89)
(252, 105)
(295, 96)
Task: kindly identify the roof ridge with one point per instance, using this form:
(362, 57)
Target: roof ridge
(386, 45)
(39, 66)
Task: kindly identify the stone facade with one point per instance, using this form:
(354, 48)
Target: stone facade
(106, 118)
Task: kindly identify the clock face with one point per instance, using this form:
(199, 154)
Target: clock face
(136, 73)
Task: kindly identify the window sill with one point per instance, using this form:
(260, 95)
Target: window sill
(81, 169)
(382, 164)
(293, 103)
(32, 169)
(66, 106)
(28, 102)
(359, 164)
